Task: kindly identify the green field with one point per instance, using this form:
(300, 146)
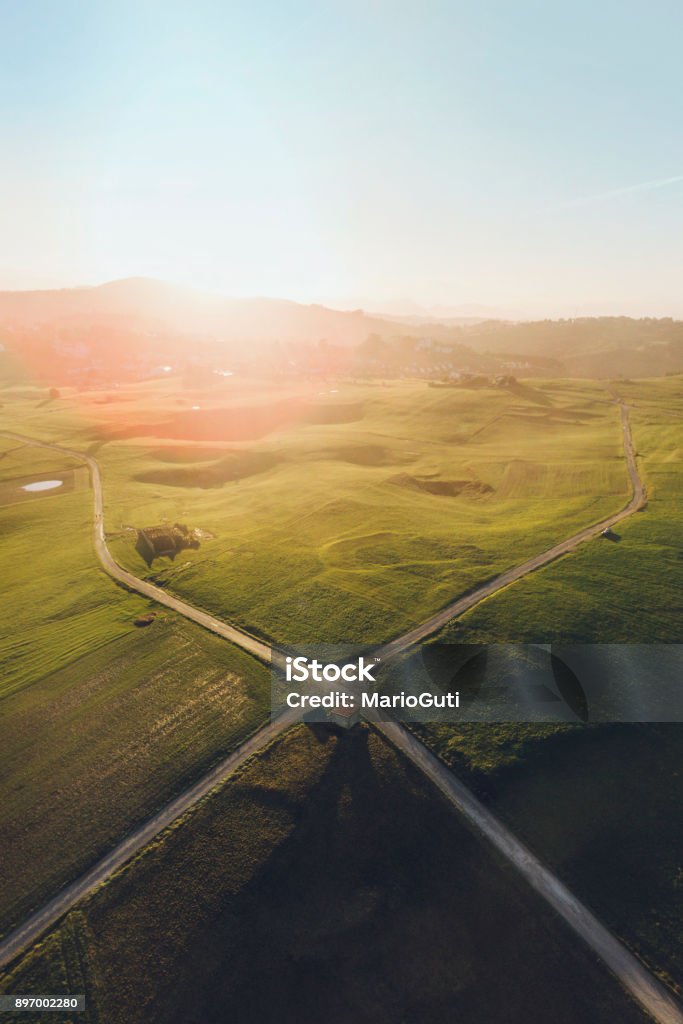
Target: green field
(101, 721)
(599, 805)
(627, 591)
(347, 514)
(310, 887)
(61, 605)
(351, 523)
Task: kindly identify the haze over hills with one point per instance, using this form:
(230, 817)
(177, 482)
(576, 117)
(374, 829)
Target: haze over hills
(123, 313)
(416, 312)
(589, 346)
(188, 311)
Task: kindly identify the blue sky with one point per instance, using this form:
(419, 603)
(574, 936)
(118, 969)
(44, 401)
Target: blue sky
(526, 156)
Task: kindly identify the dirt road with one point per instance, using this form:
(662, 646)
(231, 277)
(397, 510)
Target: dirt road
(463, 604)
(231, 633)
(655, 997)
(34, 926)
(634, 976)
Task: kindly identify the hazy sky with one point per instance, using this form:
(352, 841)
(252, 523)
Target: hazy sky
(524, 155)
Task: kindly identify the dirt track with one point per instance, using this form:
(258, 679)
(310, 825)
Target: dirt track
(479, 594)
(649, 992)
(634, 976)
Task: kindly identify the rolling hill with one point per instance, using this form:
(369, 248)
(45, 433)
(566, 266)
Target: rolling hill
(108, 315)
(164, 306)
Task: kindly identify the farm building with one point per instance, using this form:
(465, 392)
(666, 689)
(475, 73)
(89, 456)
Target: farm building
(165, 541)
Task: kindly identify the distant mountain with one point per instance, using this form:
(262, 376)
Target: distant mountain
(157, 304)
(408, 311)
(157, 319)
(430, 322)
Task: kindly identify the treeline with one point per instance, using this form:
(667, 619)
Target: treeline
(582, 347)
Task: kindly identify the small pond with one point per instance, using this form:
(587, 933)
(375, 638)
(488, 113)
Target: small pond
(42, 485)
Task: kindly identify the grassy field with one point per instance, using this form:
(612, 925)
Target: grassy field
(97, 746)
(62, 605)
(627, 591)
(101, 721)
(600, 805)
(310, 887)
(348, 515)
(344, 513)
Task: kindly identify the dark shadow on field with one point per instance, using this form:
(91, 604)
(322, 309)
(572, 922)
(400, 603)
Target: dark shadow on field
(143, 550)
(235, 466)
(229, 992)
(602, 806)
(350, 766)
(381, 906)
(444, 488)
(614, 537)
(322, 731)
(363, 455)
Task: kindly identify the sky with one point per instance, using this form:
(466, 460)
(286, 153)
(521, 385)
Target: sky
(523, 157)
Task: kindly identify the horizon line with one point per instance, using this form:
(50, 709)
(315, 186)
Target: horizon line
(460, 310)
